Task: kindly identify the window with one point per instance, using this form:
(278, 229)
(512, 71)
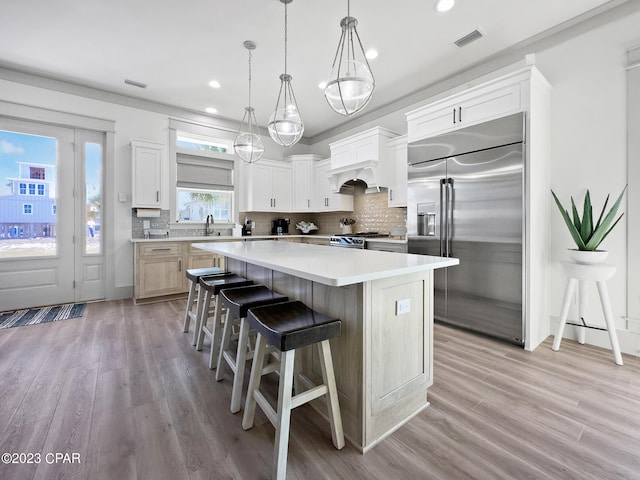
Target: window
(36, 173)
(200, 143)
(27, 208)
(32, 189)
(23, 189)
(41, 190)
(194, 205)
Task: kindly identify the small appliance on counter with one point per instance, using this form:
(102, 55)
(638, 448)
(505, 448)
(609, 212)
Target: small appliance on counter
(247, 227)
(280, 226)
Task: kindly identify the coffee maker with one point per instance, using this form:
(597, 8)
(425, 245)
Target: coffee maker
(280, 226)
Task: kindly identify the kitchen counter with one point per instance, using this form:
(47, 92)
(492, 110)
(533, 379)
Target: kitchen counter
(383, 359)
(339, 267)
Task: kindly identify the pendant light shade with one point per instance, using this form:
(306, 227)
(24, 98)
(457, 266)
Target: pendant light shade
(285, 123)
(248, 145)
(351, 82)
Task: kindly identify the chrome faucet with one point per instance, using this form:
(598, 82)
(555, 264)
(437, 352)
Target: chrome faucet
(208, 222)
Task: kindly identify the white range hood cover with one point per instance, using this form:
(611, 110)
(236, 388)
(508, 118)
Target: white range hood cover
(366, 172)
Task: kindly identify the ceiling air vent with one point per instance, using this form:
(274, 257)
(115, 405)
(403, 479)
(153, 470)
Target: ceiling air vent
(468, 38)
(134, 83)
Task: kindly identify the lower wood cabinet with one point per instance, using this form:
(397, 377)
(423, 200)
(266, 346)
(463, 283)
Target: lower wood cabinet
(159, 268)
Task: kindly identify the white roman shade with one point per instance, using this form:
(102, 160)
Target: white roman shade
(204, 172)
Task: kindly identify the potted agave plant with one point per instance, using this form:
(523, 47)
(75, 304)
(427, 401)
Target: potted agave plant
(588, 235)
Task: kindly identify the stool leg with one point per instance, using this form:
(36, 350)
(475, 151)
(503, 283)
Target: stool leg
(215, 338)
(333, 406)
(203, 317)
(241, 358)
(187, 318)
(201, 295)
(608, 317)
(283, 419)
(254, 382)
(568, 294)
(224, 345)
(582, 309)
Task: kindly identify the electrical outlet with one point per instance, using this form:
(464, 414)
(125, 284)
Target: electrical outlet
(403, 306)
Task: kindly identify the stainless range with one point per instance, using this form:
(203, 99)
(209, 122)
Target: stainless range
(353, 240)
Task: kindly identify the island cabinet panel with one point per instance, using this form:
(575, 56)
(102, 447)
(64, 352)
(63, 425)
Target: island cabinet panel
(398, 360)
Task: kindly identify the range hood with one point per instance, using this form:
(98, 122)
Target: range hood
(356, 178)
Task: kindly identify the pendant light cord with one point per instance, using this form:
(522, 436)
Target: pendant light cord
(285, 38)
(249, 77)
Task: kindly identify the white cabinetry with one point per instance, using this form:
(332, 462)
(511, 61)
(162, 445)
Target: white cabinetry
(266, 186)
(491, 100)
(146, 174)
(397, 171)
(302, 185)
(324, 199)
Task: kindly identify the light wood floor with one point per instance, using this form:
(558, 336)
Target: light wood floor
(124, 388)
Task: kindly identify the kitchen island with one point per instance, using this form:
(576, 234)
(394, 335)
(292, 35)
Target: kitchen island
(383, 360)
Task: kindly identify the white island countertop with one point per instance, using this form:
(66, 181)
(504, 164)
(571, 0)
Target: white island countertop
(331, 266)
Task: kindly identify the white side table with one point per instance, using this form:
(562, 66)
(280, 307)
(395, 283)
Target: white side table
(581, 273)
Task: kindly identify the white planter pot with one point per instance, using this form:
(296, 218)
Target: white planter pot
(588, 257)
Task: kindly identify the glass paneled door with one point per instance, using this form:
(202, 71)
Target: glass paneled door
(43, 201)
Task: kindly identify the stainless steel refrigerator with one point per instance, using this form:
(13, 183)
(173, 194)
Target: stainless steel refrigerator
(465, 200)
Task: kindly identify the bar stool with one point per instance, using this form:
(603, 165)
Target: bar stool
(581, 273)
(210, 288)
(238, 301)
(193, 275)
(287, 327)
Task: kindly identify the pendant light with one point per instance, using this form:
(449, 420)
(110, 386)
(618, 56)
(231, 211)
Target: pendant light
(285, 124)
(248, 144)
(351, 82)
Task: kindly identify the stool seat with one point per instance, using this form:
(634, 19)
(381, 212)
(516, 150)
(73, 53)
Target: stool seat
(194, 274)
(216, 283)
(240, 300)
(292, 325)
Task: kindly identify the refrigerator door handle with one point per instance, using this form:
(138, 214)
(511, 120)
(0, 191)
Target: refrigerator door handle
(442, 225)
(449, 216)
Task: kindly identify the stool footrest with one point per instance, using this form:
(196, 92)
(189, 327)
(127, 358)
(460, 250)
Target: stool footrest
(308, 395)
(266, 407)
(584, 325)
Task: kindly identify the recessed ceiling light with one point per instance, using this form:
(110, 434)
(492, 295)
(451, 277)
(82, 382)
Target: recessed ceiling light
(322, 85)
(214, 84)
(442, 6)
(211, 110)
(371, 54)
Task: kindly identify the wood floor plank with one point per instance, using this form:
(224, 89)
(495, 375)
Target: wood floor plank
(158, 453)
(112, 449)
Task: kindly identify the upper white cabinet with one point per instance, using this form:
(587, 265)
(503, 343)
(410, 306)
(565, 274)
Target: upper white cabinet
(302, 183)
(490, 100)
(146, 174)
(366, 146)
(266, 186)
(397, 171)
(324, 198)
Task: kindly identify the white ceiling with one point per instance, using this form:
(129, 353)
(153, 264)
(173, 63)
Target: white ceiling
(176, 47)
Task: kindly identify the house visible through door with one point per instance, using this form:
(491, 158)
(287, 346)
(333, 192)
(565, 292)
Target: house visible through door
(51, 233)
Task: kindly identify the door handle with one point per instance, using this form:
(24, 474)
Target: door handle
(449, 216)
(442, 223)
